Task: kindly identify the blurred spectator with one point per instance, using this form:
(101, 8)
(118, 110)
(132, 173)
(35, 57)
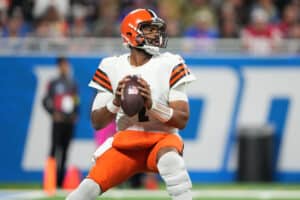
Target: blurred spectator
(16, 26)
(174, 28)
(204, 31)
(227, 12)
(57, 25)
(269, 7)
(129, 5)
(203, 26)
(79, 26)
(228, 22)
(41, 7)
(260, 38)
(289, 19)
(192, 8)
(294, 32)
(26, 7)
(229, 29)
(236, 10)
(106, 24)
(170, 11)
(41, 28)
(242, 10)
(204, 20)
(3, 15)
(62, 103)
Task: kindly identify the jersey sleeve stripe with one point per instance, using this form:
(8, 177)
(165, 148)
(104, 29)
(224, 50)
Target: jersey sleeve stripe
(178, 68)
(180, 65)
(102, 74)
(103, 83)
(178, 77)
(102, 78)
(177, 71)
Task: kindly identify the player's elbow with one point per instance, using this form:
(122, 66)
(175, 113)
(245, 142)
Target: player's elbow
(182, 122)
(96, 122)
(182, 125)
(180, 114)
(96, 126)
(99, 124)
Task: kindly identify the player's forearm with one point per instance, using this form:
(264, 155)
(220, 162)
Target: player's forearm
(101, 117)
(179, 119)
(175, 114)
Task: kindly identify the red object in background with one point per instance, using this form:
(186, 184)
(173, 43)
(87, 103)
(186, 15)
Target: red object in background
(58, 101)
(266, 32)
(151, 182)
(72, 178)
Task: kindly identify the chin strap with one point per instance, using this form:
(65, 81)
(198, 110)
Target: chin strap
(150, 49)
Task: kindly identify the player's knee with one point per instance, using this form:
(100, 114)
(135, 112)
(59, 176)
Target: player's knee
(87, 190)
(173, 171)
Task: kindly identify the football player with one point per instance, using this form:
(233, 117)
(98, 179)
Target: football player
(148, 141)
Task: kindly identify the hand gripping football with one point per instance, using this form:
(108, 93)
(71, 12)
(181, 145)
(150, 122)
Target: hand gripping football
(131, 100)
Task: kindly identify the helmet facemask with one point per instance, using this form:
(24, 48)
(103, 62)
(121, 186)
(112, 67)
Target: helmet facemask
(152, 36)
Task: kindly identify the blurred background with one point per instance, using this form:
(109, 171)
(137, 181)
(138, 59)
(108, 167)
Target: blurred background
(245, 104)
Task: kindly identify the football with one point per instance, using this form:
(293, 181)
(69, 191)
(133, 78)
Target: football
(131, 100)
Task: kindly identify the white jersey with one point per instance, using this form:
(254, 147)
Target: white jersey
(162, 72)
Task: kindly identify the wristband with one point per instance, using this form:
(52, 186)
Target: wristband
(112, 107)
(161, 112)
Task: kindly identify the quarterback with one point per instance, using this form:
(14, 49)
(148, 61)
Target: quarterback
(148, 141)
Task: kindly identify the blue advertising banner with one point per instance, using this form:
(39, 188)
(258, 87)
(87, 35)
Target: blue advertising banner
(230, 92)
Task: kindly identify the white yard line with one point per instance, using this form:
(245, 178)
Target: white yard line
(205, 193)
(21, 194)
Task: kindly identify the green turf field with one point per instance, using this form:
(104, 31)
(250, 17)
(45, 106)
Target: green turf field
(61, 198)
(200, 192)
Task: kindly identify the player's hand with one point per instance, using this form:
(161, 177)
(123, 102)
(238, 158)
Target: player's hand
(119, 90)
(145, 91)
(57, 117)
